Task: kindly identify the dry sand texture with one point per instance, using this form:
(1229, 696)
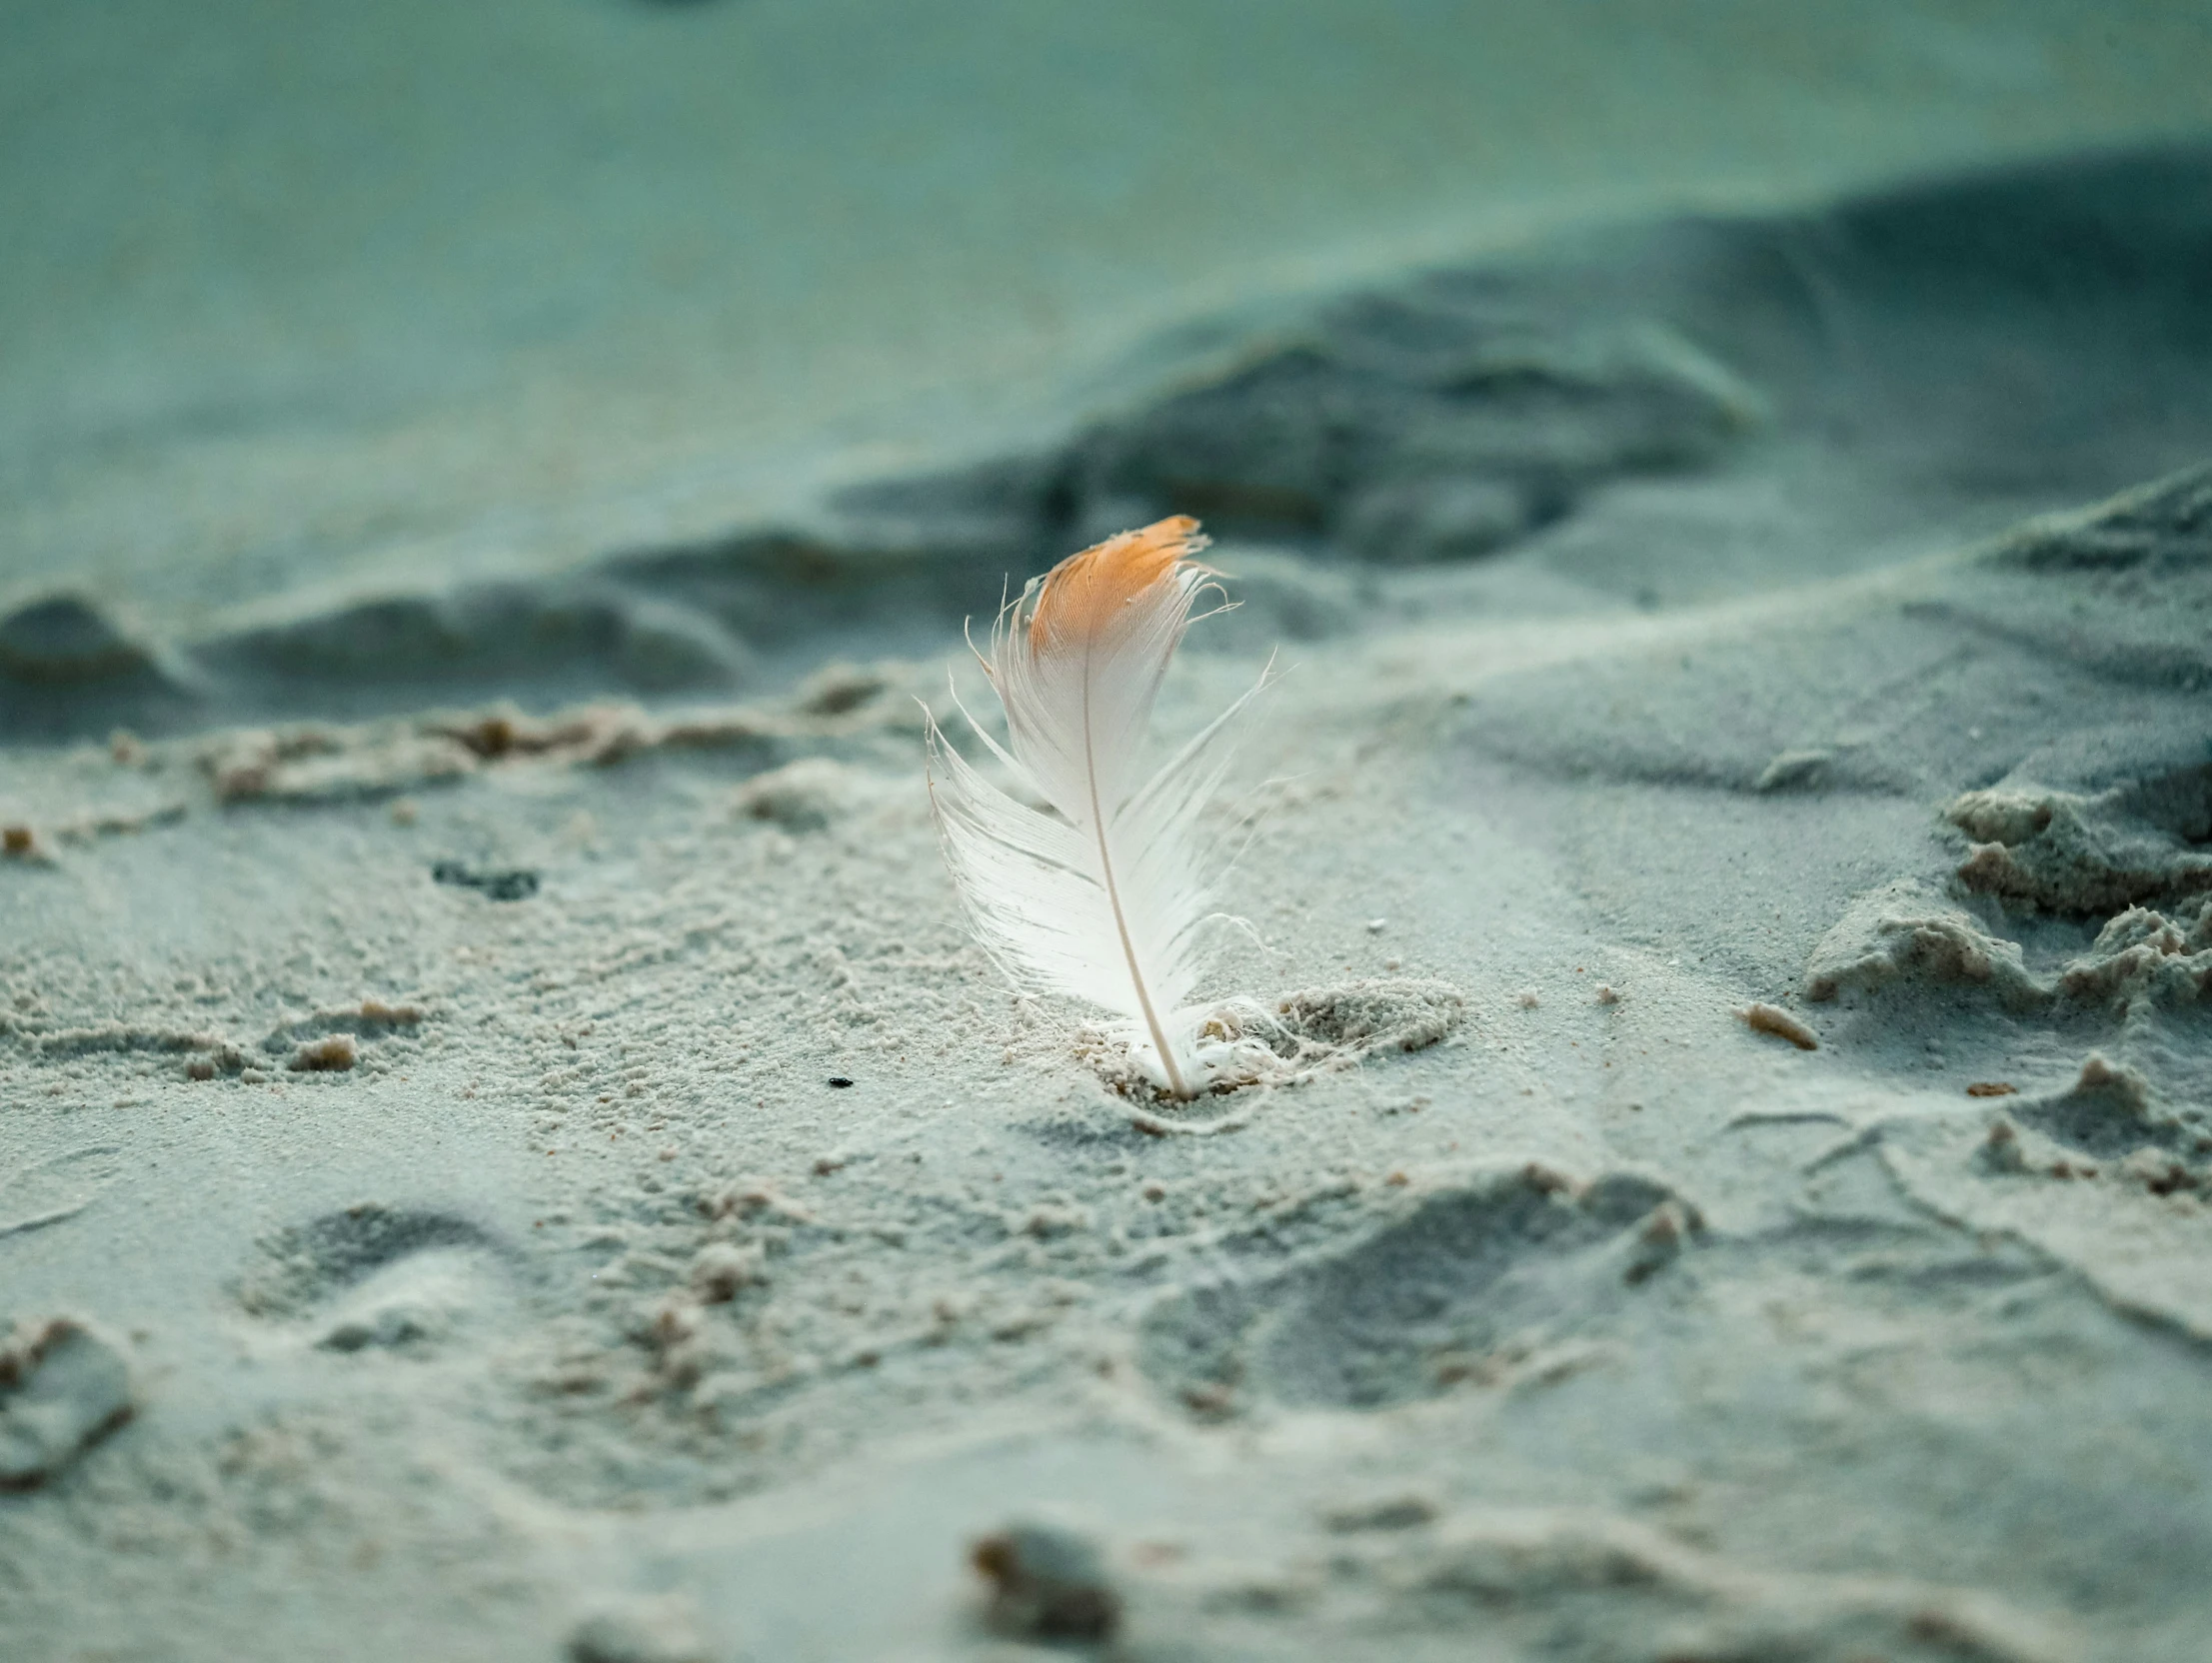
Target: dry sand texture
(554, 1179)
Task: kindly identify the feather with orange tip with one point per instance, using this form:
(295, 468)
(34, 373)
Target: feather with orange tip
(1103, 897)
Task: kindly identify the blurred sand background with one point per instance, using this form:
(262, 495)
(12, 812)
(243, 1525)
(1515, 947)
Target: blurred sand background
(359, 295)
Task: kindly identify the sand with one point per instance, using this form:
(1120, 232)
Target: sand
(508, 1149)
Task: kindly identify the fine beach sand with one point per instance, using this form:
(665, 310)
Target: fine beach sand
(507, 1149)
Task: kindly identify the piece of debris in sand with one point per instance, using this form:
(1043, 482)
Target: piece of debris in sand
(1772, 1018)
(331, 1054)
(1049, 1582)
(62, 1385)
(510, 884)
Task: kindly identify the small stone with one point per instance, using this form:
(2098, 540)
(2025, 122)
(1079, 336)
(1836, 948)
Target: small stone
(62, 1385)
(513, 883)
(661, 1630)
(1049, 1582)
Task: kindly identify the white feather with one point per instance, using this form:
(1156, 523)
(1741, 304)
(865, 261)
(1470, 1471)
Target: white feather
(1102, 898)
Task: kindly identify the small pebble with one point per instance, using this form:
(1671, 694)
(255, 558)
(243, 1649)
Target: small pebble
(514, 884)
(661, 1630)
(62, 1385)
(1049, 1582)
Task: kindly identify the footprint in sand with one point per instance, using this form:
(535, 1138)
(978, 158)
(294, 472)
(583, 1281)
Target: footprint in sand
(56, 1189)
(382, 1279)
(1512, 1273)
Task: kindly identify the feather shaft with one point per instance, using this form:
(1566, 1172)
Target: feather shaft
(1122, 929)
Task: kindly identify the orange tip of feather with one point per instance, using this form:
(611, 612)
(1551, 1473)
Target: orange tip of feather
(1083, 593)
